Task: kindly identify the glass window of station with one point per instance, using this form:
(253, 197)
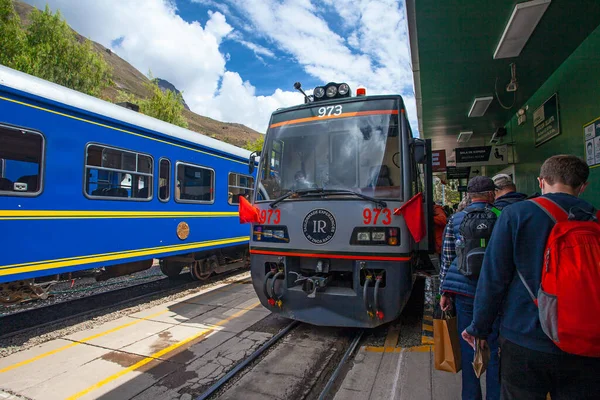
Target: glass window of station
(117, 173)
(354, 153)
(21, 161)
(195, 184)
(239, 185)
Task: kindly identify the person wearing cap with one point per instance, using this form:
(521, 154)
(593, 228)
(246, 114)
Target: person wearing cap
(506, 192)
(460, 290)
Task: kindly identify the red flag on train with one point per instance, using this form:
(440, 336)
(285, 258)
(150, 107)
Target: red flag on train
(412, 211)
(248, 213)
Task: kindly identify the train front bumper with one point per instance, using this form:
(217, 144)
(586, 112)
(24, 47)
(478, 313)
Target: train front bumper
(339, 303)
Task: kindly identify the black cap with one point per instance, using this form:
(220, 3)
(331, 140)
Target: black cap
(481, 184)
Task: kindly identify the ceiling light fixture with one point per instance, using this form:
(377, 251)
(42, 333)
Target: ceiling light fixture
(480, 106)
(520, 26)
(464, 137)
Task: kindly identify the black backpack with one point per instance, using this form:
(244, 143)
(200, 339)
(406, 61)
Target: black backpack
(475, 231)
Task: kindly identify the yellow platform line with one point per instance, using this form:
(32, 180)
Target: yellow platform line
(392, 337)
(87, 339)
(412, 349)
(141, 363)
(118, 328)
(428, 328)
(426, 340)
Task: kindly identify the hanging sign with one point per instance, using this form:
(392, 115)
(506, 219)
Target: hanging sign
(481, 155)
(591, 140)
(546, 121)
(458, 173)
(438, 160)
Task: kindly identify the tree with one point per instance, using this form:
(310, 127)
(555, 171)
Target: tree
(166, 106)
(49, 49)
(12, 37)
(255, 145)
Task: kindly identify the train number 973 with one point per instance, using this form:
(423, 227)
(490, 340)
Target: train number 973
(270, 216)
(375, 215)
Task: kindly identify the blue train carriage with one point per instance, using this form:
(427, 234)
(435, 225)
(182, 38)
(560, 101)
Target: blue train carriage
(332, 246)
(87, 184)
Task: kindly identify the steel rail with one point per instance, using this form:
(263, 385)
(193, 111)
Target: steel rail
(219, 384)
(341, 364)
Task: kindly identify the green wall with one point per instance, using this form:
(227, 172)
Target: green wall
(577, 82)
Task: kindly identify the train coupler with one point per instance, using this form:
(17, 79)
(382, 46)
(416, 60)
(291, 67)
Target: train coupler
(310, 284)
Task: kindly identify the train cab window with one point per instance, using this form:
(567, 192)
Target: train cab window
(164, 179)
(239, 185)
(359, 154)
(21, 162)
(116, 173)
(195, 184)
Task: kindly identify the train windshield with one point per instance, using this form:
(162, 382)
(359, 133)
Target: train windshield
(350, 147)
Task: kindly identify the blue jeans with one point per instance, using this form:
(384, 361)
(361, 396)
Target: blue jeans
(471, 387)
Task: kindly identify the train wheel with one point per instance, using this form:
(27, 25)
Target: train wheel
(200, 270)
(170, 269)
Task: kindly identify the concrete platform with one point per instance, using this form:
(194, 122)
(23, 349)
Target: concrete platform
(202, 333)
(177, 349)
(398, 374)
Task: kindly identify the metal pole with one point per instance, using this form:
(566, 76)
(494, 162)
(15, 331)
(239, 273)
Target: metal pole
(443, 194)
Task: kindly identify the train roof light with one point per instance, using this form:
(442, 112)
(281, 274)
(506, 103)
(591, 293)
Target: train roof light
(331, 91)
(319, 92)
(361, 91)
(343, 89)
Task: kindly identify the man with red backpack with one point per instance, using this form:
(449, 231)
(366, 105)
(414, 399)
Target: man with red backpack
(543, 267)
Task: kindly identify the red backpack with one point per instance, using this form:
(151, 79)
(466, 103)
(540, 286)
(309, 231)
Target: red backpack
(568, 299)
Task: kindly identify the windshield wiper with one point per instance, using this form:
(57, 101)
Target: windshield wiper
(382, 203)
(299, 192)
(302, 192)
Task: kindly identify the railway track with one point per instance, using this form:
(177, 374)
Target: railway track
(321, 387)
(46, 316)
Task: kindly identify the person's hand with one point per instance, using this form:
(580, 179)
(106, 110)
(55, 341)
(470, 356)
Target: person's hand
(445, 302)
(471, 340)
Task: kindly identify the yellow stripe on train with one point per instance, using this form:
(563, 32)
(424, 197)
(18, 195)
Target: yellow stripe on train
(82, 260)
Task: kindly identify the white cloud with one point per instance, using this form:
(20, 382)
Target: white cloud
(154, 37)
(375, 54)
(186, 54)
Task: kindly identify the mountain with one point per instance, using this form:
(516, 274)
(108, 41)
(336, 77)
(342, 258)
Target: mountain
(164, 84)
(127, 78)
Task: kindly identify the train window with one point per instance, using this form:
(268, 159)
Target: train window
(21, 162)
(239, 185)
(164, 179)
(117, 173)
(195, 184)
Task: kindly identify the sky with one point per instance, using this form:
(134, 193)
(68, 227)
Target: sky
(237, 60)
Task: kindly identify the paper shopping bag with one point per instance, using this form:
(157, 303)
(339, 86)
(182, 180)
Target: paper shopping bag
(446, 346)
(481, 359)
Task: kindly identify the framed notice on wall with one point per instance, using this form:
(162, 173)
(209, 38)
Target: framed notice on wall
(591, 141)
(546, 121)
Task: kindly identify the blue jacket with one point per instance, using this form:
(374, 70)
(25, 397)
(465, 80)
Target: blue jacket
(508, 199)
(518, 242)
(453, 281)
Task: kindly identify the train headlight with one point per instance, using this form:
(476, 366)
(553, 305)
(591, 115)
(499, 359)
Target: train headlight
(319, 92)
(343, 89)
(331, 91)
(363, 236)
(379, 236)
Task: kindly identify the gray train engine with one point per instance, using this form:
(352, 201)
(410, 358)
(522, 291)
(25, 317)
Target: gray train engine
(332, 247)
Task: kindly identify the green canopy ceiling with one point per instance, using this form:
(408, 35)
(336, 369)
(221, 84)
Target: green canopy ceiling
(453, 43)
